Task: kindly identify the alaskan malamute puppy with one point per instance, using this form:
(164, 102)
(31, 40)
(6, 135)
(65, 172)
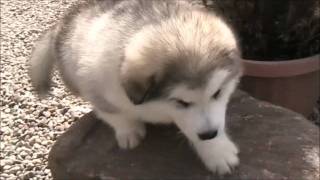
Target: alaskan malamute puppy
(152, 61)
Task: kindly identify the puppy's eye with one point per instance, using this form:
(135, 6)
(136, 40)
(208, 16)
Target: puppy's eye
(216, 95)
(182, 104)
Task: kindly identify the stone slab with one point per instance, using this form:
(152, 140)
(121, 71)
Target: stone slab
(275, 143)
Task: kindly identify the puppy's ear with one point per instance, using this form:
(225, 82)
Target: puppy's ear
(140, 91)
(142, 67)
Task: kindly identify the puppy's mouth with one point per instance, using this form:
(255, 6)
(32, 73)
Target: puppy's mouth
(208, 135)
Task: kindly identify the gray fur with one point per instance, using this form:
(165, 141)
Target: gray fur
(130, 17)
(42, 61)
(140, 61)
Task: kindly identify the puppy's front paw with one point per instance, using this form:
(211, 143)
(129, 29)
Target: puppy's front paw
(219, 155)
(130, 137)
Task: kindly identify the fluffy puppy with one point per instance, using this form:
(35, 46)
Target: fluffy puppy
(153, 61)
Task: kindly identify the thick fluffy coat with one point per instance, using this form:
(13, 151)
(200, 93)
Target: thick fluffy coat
(152, 61)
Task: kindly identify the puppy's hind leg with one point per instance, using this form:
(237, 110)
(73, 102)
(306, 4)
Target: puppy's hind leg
(128, 131)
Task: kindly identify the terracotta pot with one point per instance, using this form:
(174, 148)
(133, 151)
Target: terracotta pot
(293, 84)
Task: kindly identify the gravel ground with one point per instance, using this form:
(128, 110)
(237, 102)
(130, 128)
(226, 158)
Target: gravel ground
(29, 126)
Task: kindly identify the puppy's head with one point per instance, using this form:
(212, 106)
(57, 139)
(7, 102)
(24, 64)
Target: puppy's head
(188, 70)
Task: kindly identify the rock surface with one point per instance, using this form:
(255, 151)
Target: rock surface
(275, 143)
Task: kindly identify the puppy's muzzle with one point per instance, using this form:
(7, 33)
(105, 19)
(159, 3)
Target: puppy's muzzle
(208, 135)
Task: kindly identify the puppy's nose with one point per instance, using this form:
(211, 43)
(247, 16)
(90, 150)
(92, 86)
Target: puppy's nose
(208, 135)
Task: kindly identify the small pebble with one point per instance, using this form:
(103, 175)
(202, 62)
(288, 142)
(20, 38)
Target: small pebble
(6, 167)
(47, 114)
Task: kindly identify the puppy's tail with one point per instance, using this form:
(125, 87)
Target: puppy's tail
(41, 63)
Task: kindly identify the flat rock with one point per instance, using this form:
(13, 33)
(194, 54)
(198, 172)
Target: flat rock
(275, 143)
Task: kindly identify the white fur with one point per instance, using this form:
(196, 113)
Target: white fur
(128, 131)
(92, 59)
(218, 154)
